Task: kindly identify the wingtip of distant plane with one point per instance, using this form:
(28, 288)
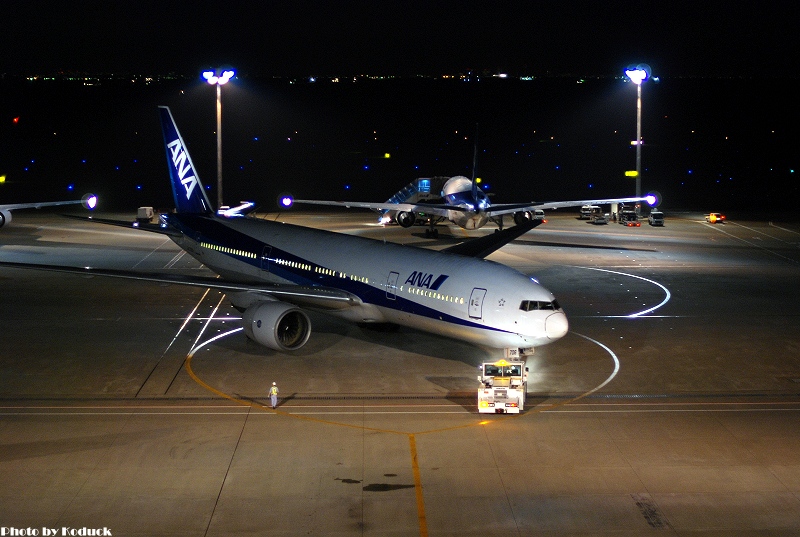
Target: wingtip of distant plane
(89, 201)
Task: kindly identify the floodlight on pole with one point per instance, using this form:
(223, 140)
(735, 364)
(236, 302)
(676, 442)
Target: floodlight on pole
(219, 79)
(638, 75)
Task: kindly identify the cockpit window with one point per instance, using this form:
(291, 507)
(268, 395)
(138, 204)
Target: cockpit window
(533, 305)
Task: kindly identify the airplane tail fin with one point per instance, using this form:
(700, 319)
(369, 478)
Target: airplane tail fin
(186, 186)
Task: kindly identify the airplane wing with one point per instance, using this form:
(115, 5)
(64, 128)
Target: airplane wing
(313, 297)
(507, 208)
(441, 209)
(89, 201)
(37, 205)
(438, 209)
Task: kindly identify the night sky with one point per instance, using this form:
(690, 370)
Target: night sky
(297, 38)
(711, 143)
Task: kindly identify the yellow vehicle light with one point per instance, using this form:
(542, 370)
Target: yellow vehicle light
(484, 404)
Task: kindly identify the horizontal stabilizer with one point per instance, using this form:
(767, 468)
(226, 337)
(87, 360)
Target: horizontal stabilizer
(482, 247)
(155, 228)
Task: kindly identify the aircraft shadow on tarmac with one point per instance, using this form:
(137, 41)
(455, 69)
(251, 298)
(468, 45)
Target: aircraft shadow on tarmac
(328, 331)
(447, 239)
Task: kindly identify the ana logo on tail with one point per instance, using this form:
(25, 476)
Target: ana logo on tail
(182, 166)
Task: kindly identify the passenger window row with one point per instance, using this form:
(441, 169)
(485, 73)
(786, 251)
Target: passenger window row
(433, 294)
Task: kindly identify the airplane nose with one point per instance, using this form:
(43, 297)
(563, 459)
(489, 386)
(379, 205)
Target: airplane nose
(556, 326)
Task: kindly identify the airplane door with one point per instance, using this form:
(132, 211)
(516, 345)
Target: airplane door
(265, 258)
(391, 286)
(476, 303)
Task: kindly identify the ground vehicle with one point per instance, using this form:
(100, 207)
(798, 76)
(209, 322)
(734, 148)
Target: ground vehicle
(587, 210)
(144, 214)
(629, 218)
(538, 214)
(503, 387)
(599, 218)
(656, 218)
(715, 218)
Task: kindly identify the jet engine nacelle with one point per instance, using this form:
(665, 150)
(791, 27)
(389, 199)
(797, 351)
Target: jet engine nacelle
(5, 218)
(277, 325)
(405, 219)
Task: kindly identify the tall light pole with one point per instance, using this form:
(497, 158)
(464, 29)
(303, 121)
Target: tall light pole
(219, 79)
(638, 75)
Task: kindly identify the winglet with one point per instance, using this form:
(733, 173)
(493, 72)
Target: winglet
(186, 186)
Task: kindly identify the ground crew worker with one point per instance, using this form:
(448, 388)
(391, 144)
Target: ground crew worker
(273, 395)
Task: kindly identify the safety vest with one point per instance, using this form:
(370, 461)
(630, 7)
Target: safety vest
(273, 390)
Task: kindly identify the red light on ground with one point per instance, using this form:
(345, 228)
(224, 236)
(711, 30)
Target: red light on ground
(16, 120)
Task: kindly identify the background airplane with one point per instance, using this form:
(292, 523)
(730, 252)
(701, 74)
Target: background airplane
(89, 201)
(272, 272)
(463, 203)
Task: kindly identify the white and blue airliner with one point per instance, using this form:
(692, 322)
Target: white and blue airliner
(462, 202)
(273, 272)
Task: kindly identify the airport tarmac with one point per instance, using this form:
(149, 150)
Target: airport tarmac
(671, 407)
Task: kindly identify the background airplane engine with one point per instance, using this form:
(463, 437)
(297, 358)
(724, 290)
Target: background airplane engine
(405, 219)
(5, 217)
(277, 325)
(522, 216)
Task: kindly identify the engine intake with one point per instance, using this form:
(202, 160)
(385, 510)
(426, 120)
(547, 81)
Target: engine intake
(405, 219)
(5, 217)
(277, 325)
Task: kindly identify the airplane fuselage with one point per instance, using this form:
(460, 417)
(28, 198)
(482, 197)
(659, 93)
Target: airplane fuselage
(461, 297)
(457, 191)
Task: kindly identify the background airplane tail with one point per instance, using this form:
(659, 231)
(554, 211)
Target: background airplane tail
(186, 186)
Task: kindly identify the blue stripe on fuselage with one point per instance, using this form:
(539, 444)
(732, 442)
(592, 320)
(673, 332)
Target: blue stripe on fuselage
(211, 229)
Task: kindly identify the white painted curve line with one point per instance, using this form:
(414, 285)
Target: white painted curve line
(613, 357)
(667, 294)
(207, 342)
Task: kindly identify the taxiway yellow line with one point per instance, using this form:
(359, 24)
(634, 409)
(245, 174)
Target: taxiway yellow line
(420, 499)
